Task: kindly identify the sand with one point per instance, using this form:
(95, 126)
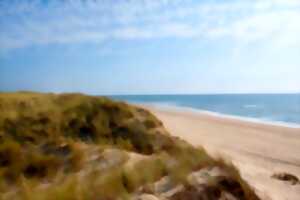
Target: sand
(258, 150)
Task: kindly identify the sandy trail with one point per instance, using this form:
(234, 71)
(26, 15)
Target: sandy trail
(258, 150)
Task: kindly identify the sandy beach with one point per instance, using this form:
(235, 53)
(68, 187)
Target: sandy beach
(258, 150)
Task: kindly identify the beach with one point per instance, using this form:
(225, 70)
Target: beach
(258, 150)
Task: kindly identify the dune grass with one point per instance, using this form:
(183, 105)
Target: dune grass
(73, 146)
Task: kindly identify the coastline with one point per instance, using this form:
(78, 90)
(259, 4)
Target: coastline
(170, 107)
(258, 149)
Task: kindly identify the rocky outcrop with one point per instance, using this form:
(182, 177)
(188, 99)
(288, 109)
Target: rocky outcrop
(212, 183)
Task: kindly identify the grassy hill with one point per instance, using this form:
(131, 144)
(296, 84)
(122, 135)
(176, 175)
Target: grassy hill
(73, 146)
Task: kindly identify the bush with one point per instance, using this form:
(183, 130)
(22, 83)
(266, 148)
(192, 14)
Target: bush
(145, 171)
(11, 159)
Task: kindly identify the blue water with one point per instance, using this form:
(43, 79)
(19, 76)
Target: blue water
(265, 107)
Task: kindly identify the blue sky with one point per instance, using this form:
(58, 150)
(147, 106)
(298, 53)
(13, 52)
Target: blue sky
(150, 46)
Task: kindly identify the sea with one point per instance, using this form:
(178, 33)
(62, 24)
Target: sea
(279, 109)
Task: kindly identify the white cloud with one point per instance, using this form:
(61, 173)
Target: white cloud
(25, 23)
(277, 26)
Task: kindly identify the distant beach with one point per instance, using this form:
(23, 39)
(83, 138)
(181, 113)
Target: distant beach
(170, 107)
(274, 109)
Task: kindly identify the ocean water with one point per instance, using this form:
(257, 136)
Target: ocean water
(273, 108)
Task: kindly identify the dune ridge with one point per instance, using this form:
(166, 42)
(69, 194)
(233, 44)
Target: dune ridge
(76, 147)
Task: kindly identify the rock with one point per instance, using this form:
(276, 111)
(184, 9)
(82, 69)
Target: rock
(210, 183)
(163, 185)
(205, 175)
(173, 191)
(292, 179)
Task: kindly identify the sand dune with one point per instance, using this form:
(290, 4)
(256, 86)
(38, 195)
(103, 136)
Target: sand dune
(258, 150)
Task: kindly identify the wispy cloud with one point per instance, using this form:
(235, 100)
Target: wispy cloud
(273, 25)
(36, 22)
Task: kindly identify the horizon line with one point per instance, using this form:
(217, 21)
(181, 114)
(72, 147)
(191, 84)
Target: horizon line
(173, 94)
(150, 94)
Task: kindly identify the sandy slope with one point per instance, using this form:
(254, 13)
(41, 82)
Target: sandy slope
(257, 150)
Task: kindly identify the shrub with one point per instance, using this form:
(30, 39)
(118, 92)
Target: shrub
(145, 171)
(40, 166)
(11, 159)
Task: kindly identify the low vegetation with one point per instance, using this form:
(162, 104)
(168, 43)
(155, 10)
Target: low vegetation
(77, 147)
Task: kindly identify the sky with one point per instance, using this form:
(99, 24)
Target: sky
(150, 46)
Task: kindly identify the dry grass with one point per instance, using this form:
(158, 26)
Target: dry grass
(53, 147)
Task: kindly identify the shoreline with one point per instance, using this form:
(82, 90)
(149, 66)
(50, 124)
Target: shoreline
(258, 150)
(185, 109)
